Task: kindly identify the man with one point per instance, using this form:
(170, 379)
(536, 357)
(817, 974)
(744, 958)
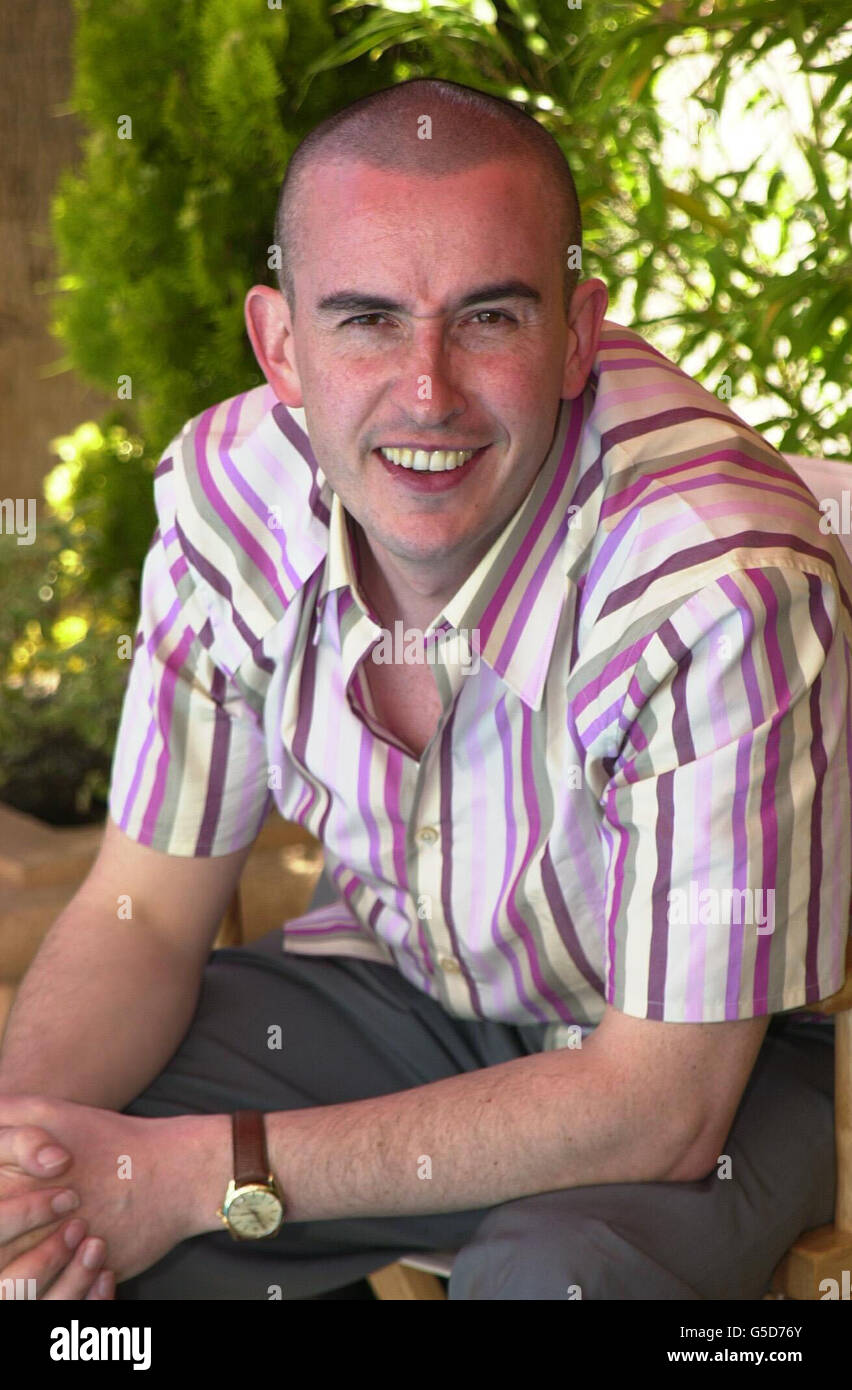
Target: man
(585, 835)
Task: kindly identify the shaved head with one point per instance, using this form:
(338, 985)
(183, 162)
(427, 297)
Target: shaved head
(466, 128)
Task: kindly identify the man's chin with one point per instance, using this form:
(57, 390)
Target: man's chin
(420, 544)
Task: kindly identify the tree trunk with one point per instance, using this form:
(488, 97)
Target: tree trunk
(37, 142)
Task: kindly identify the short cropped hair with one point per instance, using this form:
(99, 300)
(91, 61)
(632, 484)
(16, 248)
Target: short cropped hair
(468, 127)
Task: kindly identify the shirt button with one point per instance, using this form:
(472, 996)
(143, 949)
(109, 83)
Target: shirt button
(428, 835)
(450, 964)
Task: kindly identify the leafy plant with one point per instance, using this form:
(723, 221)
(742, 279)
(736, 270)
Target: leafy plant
(743, 273)
(68, 607)
(740, 271)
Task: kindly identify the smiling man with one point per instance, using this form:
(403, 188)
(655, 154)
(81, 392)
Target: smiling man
(490, 1033)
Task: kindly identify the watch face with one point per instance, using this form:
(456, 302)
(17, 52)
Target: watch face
(254, 1212)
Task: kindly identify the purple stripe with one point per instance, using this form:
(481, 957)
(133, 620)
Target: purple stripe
(216, 771)
(141, 760)
(445, 764)
(165, 709)
(395, 765)
(223, 511)
(621, 662)
(739, 797)
(297, 437)
(504, 730)
(613, 955)
(819, 761)
(768, 789)
(567, 932)
(217, 581)
(498, 600)
(528, 543)
(304, 721)
(629, 494)
(151, 645)
(666, 829)
(636, 343)
(349, 924)
(710, 550)
(260, 508)
(618, 363)
(634, 428)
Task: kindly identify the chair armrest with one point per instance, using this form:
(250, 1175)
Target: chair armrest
(836, 1003)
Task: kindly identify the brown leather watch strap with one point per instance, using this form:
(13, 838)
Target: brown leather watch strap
(250, 1161)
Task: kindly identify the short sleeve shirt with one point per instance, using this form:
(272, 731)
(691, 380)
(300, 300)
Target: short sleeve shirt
(638, 791)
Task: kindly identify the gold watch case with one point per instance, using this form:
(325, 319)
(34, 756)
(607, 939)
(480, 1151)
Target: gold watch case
(252, 1211)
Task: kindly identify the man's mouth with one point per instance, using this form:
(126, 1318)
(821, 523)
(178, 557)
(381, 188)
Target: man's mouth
(428, 460)
(427, 471)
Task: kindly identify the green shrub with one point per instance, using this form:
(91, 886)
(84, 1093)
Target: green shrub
(159, 235)
(66, 603)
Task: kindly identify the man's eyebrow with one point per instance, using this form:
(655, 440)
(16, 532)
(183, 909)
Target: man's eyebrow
(354, 302)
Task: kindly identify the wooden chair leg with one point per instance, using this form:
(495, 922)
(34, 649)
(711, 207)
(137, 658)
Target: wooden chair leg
(398, 1282)
(231, 927)
(826, 1252)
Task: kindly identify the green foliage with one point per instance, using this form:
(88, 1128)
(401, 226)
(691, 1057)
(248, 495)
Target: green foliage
(65, 603)
(741, 272)
(160, 235)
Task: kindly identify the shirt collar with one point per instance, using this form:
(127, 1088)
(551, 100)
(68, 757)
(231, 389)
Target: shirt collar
(509, 607)
(340, 568)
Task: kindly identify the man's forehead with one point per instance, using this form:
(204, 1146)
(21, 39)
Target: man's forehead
(358, 188)
(360, 216)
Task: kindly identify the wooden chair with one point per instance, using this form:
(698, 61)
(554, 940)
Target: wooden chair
(826, 1251)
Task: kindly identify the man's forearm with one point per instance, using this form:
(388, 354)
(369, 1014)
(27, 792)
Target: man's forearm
(99, 1013)
(532, 1125)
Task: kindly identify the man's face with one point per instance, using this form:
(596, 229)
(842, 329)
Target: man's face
(487, 376)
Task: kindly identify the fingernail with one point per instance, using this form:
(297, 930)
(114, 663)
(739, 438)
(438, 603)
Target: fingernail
(64, 1201)
(74, 1233)
(93, 1253)
(51, 1155)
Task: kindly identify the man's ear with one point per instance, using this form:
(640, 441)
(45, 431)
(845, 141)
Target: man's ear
(270, 330)
(588, 307)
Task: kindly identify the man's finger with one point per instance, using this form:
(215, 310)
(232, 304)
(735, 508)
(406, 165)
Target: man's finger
(31, 1210)
(103, 1289)
(80, 1275)
(44, 1262)
(29, 1146)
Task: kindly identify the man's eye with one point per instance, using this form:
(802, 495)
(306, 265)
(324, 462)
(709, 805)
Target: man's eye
(495, 312)
(360, 319)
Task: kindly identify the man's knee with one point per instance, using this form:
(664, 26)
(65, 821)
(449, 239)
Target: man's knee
(553, 1246)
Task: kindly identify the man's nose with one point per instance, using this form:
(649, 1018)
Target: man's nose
(428, 387)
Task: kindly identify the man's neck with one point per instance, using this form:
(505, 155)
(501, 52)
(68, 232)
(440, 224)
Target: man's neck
(391, 596)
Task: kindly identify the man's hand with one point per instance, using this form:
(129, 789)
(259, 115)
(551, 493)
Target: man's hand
(33, 1243)
(119, 1167)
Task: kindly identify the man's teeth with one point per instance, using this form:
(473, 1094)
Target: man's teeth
(435, 461)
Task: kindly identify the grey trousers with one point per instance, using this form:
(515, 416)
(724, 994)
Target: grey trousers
(353, 1029)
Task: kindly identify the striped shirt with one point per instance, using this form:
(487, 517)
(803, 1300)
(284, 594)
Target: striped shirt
(639, 789)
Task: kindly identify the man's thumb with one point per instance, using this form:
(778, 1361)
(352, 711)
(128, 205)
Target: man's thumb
(49, 1157)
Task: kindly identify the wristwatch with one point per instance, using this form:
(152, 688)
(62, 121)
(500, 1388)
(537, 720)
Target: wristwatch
(254, 1203)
